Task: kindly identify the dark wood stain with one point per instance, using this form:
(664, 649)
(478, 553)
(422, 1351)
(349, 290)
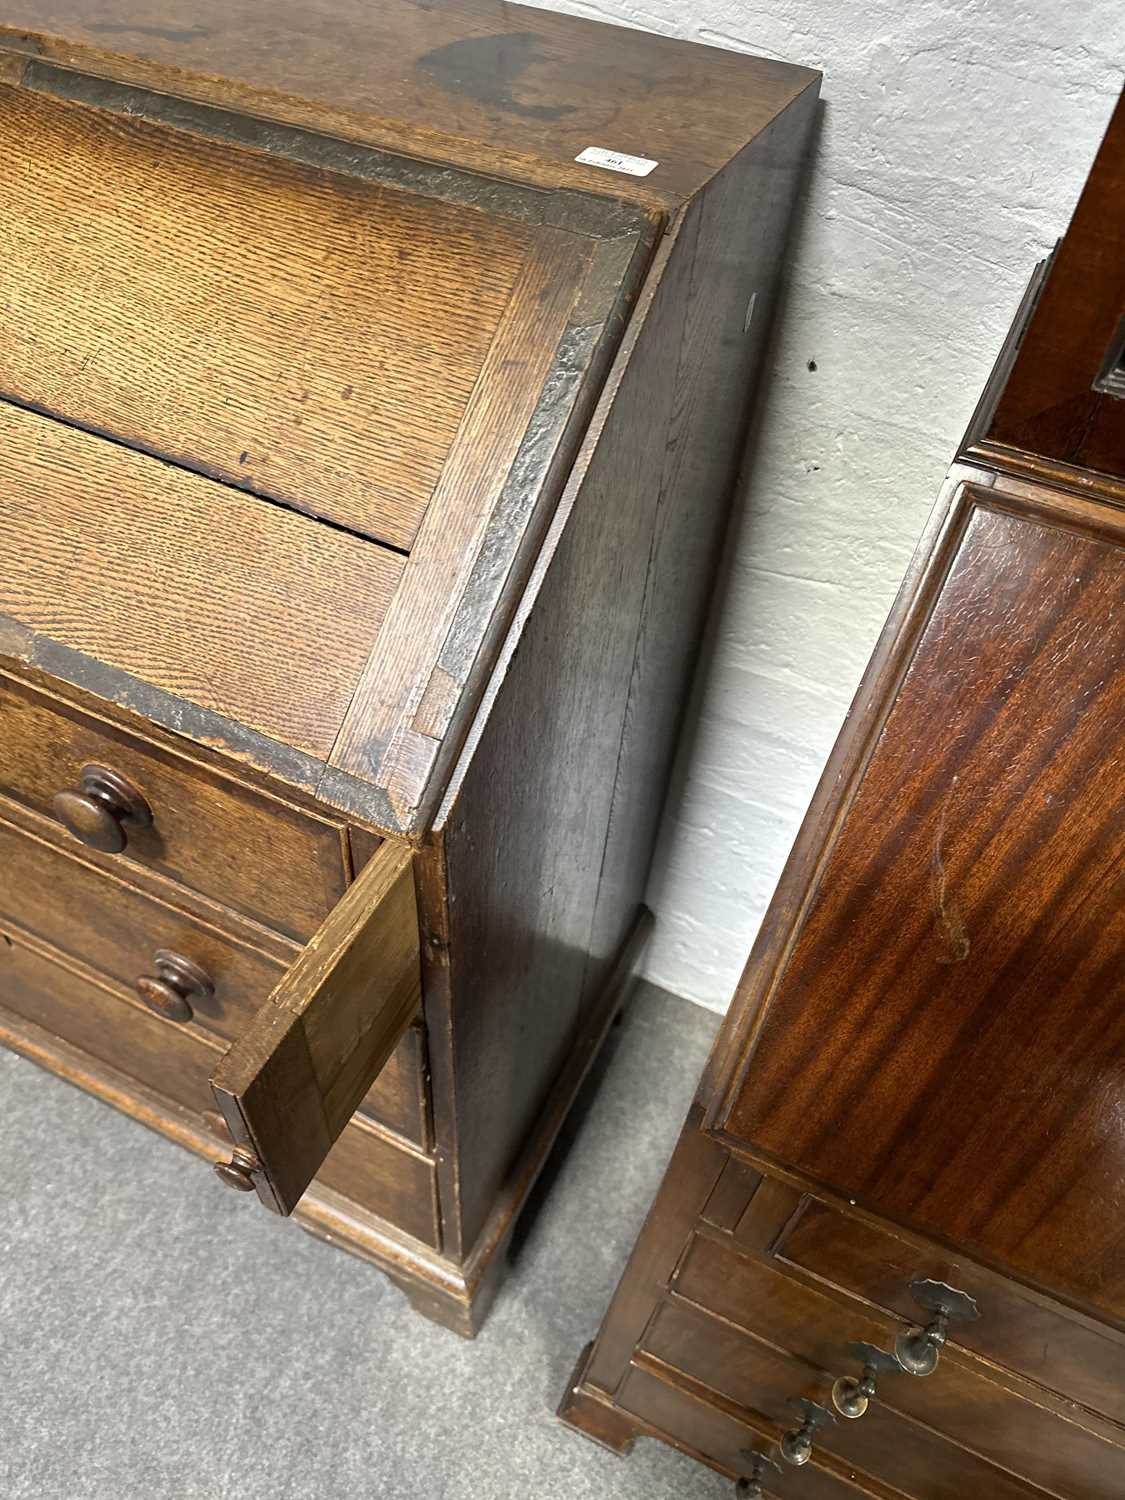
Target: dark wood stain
(488, 69)
(162, 33)
(350, 68)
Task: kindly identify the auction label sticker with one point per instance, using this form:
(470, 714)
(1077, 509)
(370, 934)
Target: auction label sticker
(616, 161)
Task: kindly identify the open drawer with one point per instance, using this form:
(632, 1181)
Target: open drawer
(293, 1080)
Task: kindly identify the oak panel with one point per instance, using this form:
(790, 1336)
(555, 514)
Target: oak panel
(510, 89)
(245, 849)
(296, 332)
(298, 1072)
(396, 1185)
(106, 924)
(259, 614)
(945, 1041)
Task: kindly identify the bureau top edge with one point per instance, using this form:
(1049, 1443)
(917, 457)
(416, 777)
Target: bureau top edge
(507, 90)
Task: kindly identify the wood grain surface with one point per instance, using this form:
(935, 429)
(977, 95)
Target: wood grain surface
(89, 1014)
(296, 332)
(1049, 405)
(945, 1039)
(504, 88)
(295, 1077)
(380, 723)
(1044, 1343)
(233, 604)
(244, 848)
(1008, 1423)
(105, 923)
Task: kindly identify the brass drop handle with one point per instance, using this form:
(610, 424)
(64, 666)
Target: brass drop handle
(750, 1486)
(797, 1446)
(917, 1349)
(177, 982)
(99, 810)
(851, 1397)
(237, 1173)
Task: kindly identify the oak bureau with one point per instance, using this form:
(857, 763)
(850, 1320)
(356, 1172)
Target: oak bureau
(888, 1257)
(373, 380)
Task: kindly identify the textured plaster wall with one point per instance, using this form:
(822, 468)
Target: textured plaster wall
(955, 138)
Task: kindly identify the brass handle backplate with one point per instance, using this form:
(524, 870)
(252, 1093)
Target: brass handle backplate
(852, 1395)
(916, 1352)
(917, 1349)
(102, 808)
(797, 1446)
(758, 1460)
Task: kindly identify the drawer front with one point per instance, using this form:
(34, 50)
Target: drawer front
(701, 1425)
(106, 924)
(1037, 1341)
(397, 1185)
(238, 846)
(959, 1400)
(884, 1445)
(400, 1096)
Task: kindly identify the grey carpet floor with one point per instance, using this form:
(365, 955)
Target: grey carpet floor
(161, 1339)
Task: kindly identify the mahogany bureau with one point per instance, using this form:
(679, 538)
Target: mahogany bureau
(888, 1256)
(373, 378)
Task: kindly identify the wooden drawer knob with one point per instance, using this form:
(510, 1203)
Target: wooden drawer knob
(177, 982)
(97, 812)
(236, 1173)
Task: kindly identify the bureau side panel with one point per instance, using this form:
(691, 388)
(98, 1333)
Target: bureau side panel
(601, 655)
(737, 275)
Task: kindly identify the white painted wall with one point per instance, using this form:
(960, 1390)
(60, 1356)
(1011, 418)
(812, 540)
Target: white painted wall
(956, 136)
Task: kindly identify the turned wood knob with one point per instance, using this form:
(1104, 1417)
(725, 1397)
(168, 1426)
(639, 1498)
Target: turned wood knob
(236, 1172)
(176, 983)
(97, 811)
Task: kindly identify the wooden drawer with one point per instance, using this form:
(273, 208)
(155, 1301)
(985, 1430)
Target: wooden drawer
(963, 1400)
(400, 1096)
(398, 1185)
(885, 1445)
(243, 848)
(109, 925)
(1016, 1330)
(691, 1418)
